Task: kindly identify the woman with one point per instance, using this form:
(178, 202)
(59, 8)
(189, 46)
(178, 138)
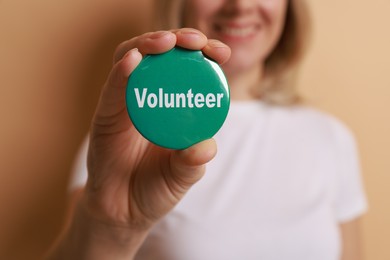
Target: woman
(283, 185)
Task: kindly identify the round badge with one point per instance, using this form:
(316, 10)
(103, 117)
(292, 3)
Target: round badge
(178, 98)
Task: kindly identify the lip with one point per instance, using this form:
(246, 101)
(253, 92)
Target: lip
(233, 31)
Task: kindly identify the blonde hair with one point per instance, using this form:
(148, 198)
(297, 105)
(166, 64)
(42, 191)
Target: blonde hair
(279, 83)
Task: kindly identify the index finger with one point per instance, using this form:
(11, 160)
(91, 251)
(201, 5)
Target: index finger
(162, 41)
(148, 43)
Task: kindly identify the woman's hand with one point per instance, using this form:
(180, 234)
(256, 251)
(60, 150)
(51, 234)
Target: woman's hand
(133, 183)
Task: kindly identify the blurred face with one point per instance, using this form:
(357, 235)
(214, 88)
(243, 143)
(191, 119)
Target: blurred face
(250, 27)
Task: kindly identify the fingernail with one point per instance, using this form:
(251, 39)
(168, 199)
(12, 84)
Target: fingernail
(189, 31)
(217, 44)
(129, 52)
(159, 34)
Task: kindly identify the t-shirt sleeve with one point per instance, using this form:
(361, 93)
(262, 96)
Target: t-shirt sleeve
(79, 173)
(350, 199)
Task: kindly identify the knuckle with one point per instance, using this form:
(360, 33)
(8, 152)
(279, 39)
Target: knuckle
(119, 51)
(124, 47)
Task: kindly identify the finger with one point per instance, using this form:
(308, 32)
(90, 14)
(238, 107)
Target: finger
(148, 43)
(195, 40)
(188, 166)
(217, 51)
(189, 38)
(112, 106)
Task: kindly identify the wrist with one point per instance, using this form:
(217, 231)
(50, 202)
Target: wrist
(89, 237)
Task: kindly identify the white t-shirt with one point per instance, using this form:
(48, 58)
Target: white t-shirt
(282, 181)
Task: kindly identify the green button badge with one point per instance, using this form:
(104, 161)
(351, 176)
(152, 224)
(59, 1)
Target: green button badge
(178, 98)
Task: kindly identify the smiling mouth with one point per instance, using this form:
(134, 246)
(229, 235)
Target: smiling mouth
(237, 31)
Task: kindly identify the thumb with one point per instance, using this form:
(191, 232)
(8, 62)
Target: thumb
(188, 166)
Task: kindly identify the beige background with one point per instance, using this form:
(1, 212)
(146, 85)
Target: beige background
(55, 55)
(347, 73)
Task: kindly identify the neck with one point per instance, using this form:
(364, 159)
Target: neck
(244, 85)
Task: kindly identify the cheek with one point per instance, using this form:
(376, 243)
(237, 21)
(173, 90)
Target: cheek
(274, 12)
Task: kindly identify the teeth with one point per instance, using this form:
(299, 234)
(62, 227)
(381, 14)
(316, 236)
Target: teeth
(238, 32)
